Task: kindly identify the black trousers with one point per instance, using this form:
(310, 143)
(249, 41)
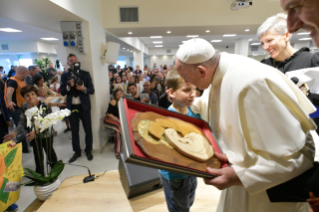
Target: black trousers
(42, 145)
(85, 117)
(3, 128)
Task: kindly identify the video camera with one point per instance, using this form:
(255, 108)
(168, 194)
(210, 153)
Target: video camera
(76, 77)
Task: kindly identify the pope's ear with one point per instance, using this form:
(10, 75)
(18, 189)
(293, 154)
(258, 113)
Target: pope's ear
(202, 71)
(170, 93)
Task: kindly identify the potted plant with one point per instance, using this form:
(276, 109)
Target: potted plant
(44, 185)
(43, 65)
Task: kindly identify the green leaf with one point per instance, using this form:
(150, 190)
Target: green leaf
(4, 195)
(10, 157)
(33, 172)
(57, 169)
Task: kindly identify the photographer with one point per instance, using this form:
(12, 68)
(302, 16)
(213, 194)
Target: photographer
(77, 85)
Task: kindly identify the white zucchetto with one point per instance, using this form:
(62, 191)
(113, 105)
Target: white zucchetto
(195, 51)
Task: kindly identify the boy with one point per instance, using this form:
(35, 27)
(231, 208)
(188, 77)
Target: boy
(179, 189)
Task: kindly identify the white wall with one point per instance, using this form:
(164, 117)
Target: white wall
(161, 60)
(20, 46)
(136, 43)
(95, 42)
(46, 48)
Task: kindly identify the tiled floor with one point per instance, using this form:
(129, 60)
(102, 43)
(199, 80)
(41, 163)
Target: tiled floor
(63, 148)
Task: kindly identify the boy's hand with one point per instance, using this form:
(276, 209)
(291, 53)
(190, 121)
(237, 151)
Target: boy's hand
(30, 136)
(12, 144)
(9, 137)
(8, 124)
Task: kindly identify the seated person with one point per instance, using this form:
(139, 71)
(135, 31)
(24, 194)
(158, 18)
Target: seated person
(199, 92)
(112, 118)
(54, 85)
(134, 94)
(151, 94)
(113, 110)
(38, 81)
(42, 94)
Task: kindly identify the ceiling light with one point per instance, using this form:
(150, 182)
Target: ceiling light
(192, 36)
(184, 41)
(123, 48)
(207, 31)
(246, 30)
(130, 33)
(305, 39)
(303, 33)
(157, 41)
(9, 30)
(158, 45)
(250, 39)
(229, 35)
(128, 50)
(49, 39)
(255, 44)
(168, 32)
(216, 41)
(156, 36)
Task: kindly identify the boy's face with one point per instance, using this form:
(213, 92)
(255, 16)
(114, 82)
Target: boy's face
(184, 96)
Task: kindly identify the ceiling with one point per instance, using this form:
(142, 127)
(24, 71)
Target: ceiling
(29, 33)
(42, 18)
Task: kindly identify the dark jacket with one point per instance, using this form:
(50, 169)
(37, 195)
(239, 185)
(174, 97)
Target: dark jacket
(3, 108)
(84, 97)
(301, 59)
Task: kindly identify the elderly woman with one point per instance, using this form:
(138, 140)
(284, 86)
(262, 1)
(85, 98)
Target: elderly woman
(29, 93)
(275, 39)
(39, 83)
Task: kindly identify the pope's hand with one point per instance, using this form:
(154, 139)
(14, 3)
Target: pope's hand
(226, 177)
(221, 157)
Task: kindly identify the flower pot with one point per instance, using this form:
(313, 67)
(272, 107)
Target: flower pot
(44, 192)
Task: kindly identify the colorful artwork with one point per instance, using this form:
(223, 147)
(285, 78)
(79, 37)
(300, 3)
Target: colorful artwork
(10, 174)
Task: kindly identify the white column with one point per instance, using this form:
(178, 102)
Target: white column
(242, 47)
(128, 61)
(139, 59)
(299, 45)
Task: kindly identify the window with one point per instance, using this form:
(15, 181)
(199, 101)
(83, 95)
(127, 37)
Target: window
(25, 62)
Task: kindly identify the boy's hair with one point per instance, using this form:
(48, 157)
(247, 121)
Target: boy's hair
(173, 80)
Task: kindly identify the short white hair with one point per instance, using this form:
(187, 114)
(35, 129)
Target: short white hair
(277, 23)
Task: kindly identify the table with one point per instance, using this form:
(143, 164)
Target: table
(106, 194)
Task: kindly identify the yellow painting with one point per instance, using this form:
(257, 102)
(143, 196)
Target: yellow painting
(10, 174)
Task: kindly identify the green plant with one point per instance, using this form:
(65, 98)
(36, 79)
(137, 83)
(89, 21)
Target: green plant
(43, 65)
(37, 179)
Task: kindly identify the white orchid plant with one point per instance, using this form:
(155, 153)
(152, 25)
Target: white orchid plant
(44, 125)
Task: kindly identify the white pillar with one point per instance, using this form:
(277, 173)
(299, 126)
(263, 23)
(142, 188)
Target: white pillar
(302, 44)
(242, 47)
(128, 61)
(139, 59)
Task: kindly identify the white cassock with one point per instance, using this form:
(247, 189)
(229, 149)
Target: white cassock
(260, 119)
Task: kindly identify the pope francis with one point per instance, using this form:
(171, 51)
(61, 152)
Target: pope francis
(260, 119)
